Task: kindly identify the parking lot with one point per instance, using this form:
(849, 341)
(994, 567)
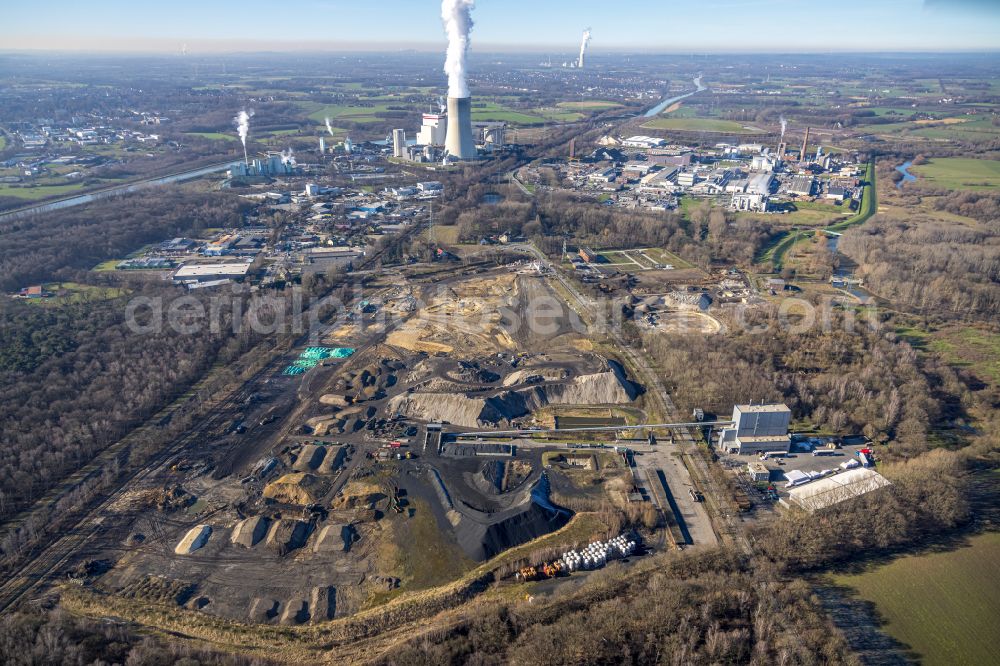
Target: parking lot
(798, 459)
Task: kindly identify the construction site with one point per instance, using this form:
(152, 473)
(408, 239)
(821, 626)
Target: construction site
(374, 463)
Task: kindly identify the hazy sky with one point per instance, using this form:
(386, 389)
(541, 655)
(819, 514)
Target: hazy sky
(538, 25)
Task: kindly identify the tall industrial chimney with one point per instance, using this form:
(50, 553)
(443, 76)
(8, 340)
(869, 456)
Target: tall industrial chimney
(805, 146)
(459, 142)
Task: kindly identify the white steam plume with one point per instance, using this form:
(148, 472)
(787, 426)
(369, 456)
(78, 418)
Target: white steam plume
(243, 129)
(442, 105)
(329, 126)
(583, 48)
(784, 126)
(288, 157)
(457, 17)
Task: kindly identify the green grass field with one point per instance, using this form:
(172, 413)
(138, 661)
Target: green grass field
(39, 192)
(589, 105)
(701, 125)
(943, 605)
(3, 142)
(869, 202)
(497, 112)
(960, 173)
(363, 112)
(215, 136)
(972, 130)
(972, 348)
(558, 115)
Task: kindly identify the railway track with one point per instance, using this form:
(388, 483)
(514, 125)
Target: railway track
(47, 563)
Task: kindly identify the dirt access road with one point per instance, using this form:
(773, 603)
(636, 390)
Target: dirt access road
(662, 457)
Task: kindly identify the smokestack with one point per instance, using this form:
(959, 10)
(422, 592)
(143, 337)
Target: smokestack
(805, 146)
(583, 49)
(459, 142)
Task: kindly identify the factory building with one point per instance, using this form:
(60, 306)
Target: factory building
(758, 428)
(434, 130)
(643, 141)
(762, 163)
(274, 165)
(491, 134)
(802, 186)
(750, 203)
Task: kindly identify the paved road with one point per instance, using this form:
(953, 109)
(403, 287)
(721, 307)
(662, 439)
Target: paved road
(102, 193)
(663, 456)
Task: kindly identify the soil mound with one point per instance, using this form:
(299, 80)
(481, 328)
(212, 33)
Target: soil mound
(287, 535)
(250, 532)
(195, 539)
(474, 373)
(610, 387)
(483, 536)
(292, 489)
(310, 458)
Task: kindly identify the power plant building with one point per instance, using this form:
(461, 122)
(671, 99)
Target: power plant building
(274, 165)
(758, 428)
(398, 143)
(434, 130)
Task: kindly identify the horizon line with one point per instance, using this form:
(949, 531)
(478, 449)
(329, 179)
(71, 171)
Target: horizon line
(491, 49)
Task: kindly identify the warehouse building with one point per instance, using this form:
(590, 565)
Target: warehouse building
(211, 272)
(830, 490)
(758, 429)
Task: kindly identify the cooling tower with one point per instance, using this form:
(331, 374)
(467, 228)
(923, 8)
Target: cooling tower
(459, 142)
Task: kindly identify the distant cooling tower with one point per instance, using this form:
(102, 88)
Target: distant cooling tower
(459, 143)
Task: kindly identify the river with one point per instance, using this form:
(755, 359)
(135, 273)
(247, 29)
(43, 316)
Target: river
(907, 176)
(101, 194)
(662, 106)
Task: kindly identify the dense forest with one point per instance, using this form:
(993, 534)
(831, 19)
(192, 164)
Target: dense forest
(75, 378)
(55, 638)
(850, 375)
(53, 245)
(930, 264)
(711, 235)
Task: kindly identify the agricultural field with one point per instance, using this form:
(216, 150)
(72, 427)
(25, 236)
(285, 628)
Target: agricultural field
(702, 125)
(363, 112)
(973, 130)
(3, 142)
(559, 115)
(589, 105)
(960, 173)
(39, 192)
(486, 111)
(941, 605)
(214, 136)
